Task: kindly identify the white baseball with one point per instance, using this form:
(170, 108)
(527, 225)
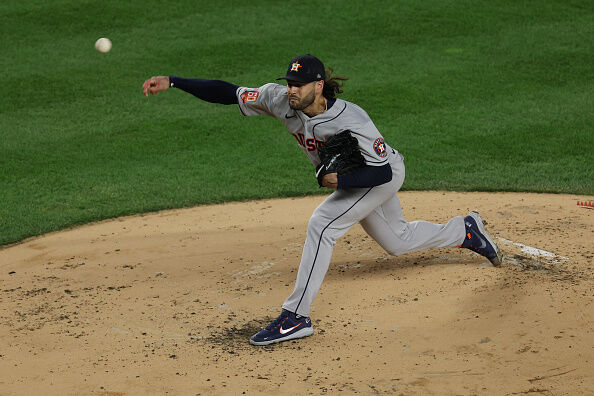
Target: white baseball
(103, 45)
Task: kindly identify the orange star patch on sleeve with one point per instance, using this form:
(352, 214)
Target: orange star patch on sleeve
(249, 96)
(380, 147)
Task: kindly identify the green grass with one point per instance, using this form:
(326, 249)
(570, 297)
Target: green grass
(491, 96)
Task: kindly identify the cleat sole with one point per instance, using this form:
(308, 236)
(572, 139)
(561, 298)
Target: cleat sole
(298, 334)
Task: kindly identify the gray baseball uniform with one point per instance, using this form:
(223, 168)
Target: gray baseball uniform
(376, 208)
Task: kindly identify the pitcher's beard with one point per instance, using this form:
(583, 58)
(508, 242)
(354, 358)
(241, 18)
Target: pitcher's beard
(304, 103)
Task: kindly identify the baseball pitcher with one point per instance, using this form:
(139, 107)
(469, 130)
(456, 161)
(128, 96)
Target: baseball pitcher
(353, 159)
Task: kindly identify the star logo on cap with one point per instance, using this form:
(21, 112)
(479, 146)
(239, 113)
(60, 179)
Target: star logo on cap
(295, 66)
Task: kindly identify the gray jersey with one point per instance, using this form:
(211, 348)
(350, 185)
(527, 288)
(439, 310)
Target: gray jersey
(377, 208)
(311, 132)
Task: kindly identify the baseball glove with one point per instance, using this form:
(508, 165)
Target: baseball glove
(339, 154)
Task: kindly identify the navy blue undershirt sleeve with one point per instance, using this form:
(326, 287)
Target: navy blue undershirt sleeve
(213, 91)
(367, 176)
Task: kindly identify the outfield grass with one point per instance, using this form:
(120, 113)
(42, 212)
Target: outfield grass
(491, 96)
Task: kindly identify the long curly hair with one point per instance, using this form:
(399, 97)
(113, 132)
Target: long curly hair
(332, 84)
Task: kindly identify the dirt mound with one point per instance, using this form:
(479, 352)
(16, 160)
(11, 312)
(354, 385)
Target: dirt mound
(164, 303)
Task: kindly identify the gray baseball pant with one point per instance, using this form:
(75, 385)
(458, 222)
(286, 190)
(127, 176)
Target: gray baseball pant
(379, 212)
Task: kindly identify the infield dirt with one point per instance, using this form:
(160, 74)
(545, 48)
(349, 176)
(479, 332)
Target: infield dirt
(164, 303)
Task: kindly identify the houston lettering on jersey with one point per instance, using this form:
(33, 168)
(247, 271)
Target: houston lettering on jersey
(310, 144)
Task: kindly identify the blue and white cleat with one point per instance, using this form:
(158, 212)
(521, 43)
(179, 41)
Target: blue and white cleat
(478, 240)
(287, 326)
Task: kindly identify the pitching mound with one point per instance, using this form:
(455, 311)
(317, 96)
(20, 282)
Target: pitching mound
(164, 303)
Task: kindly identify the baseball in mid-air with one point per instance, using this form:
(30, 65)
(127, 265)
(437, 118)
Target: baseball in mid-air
(103, 45)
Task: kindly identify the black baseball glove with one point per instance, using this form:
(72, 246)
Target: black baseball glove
(339, 154)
